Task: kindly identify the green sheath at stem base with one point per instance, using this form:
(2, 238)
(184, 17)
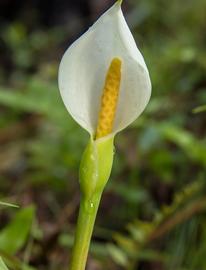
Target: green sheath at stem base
(87, 215)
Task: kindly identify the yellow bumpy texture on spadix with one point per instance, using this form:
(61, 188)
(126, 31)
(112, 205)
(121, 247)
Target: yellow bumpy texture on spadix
(109, 99)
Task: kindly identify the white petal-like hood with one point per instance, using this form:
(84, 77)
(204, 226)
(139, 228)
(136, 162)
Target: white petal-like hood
(84, 66)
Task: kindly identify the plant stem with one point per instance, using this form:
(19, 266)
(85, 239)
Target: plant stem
(86, 219)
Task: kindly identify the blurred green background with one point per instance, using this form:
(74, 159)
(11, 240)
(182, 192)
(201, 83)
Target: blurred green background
(152, 214)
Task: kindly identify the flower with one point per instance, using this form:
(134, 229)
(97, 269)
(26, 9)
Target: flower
(103, 79)
(105, 85)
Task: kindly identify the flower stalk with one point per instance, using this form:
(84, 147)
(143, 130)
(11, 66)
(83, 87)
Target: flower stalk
(85, 224)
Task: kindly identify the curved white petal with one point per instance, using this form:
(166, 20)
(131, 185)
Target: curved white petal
(84, 66)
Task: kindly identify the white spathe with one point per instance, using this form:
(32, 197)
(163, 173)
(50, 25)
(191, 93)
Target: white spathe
(84, 66)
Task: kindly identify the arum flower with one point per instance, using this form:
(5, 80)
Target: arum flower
(105, 86)
(103, 79)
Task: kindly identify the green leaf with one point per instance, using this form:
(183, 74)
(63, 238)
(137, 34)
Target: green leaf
(117, 255)
(8, 204)
(200, 109)
(49, 105)
(14, 236)
(2, 265)
(193, 147)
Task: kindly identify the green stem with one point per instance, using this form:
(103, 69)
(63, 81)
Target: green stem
(86, 219)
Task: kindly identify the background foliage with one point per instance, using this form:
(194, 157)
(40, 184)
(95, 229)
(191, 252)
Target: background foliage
(152, 214)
